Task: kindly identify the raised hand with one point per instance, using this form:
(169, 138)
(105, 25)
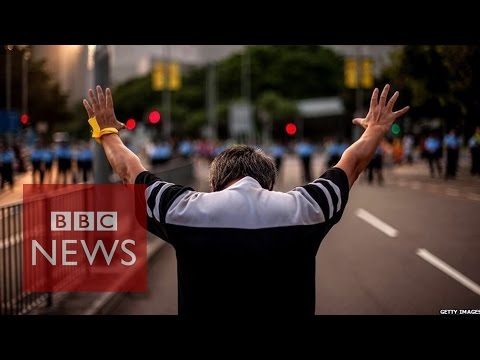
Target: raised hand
(102, 109)
(381, 113)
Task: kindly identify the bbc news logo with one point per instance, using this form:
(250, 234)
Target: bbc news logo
(84, 221)
(81, 237)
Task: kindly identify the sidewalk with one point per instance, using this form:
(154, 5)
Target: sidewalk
(96, 303)
(8, 196)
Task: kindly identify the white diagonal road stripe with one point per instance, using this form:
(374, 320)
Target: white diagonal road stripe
(376, 222)
(447, 269)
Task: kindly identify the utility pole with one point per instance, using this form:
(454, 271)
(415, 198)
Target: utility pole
(246, 75)
(101, 167)
(246, 91)
(8, 72)
(211, 101)
(358, 92)
(166, 97)
(25, 59)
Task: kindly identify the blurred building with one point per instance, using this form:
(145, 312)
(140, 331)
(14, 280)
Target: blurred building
(69, 64)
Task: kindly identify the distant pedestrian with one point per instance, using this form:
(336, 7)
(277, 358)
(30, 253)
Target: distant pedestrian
(335, 150)
(433, 151)
(7, 161)
(64, 161)
(375, 166)
(408, 143)
(36, 157)
(48, 156)
(278, 150)
(305, 150)
(84, 162)
(452, 145)
(474, 145)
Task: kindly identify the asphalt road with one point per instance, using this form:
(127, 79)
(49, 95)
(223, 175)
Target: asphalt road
(411, 246)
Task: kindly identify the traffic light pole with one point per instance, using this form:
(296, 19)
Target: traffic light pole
(358, 94)
(25, 59)
(101, 167)
(167, 99)
(8, 76)
(211, 101)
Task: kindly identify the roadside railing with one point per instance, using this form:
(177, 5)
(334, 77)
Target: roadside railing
(14, 300)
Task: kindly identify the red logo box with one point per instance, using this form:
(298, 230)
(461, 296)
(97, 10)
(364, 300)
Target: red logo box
(84, 238)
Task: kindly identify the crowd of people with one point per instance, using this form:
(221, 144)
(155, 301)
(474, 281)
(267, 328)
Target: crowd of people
(72, 162)
(48, 163)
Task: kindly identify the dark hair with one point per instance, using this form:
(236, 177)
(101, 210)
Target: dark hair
(239, 161)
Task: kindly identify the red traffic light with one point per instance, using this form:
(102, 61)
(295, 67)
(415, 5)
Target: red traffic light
(154, 117)
(24, 119)
(291, 129)
(131, 124)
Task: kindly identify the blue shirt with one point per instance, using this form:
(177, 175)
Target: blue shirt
(432, 144)
(64, 153)
(451, 141)
(336, 149)
(47, 155)
(85, 155)
(7, 156)
(162, 152)
(277, 151)
(185, 148)
(36, 155)
(305, 149)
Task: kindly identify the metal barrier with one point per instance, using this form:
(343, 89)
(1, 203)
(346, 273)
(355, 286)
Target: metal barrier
(13, 299)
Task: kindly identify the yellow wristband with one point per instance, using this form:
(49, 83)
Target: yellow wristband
(97, 133)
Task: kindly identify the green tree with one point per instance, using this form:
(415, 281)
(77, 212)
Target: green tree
(276, 106)
(438, 81)
(286, 72)
(294, 71)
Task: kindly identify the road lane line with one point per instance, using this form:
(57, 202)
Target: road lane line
(452, 192)
(447, 269)
(376, 222)
(473, 196)
(415, 185)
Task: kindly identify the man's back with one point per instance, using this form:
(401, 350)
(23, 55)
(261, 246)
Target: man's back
(246, 250)
(230, 259)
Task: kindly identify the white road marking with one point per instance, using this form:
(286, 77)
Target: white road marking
(376, 222)
(473, 196)
(447, 269)
(415, 185)
(452, 192)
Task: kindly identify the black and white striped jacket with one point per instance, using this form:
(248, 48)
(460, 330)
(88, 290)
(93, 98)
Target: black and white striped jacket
(245, 250)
